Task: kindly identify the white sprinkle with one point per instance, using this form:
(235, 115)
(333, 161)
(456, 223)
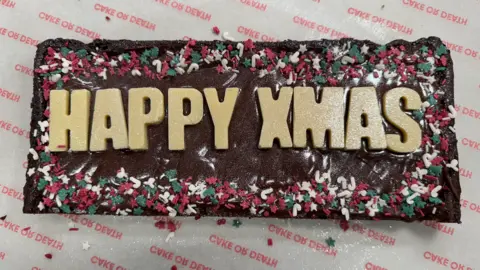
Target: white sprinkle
(43, 125)
(99, 61)
(453, 112)
(31, 171)
(136, 72)
(303, 48)
(170, 53)
(192, 67)
(265, 192)
(405, 191)
(180, 70)
(171, 212)
(343, 181)
(59, 203)
(55, 78)
(240, 49)
(35, 131)
(352, 184)
(434, 210)
(190, 208)
(290, 78)
(296, 207)
(255, 57)
(389, 74)
(224, 64)
(364, 49)
(262, 73)
(44, 67)
(158, 64)
(280, 64)
(452, 129)
(269, 181)
(434, 192)
(434, 129)
(347, 60)
(150, 182)
(294, 58)
(226, 36)
(427, 158)
(169, 236)
(253, 188)
(136, 182)
(345, 193)
(34, 153)
(40, 206)
(453, 165)
(346, 213)
(425, 105)
(103, 74)
(113, 63)
(85, 245)
(411, 197)
(362, 193)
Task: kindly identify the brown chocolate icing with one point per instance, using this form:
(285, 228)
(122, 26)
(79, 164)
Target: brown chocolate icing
(243, 163)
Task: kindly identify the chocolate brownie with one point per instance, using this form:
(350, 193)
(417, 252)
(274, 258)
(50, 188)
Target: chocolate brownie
(238, 129)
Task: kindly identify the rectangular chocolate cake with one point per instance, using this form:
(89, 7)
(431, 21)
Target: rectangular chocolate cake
(328, 129)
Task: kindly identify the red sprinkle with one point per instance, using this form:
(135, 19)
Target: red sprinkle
(270, 242)
(107, 18)
(174, 267)
(48, 256)
(344, 225)
(221, 221)
(197, 217)
(216, 30)
(73, 229)
(26, 229)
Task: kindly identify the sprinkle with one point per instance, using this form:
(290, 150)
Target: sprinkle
(221, 221)
(226, 36)
(265, 192)
(216, 30)
(48, 256)
(344, 225)
(174, 267)
(3, 217)
(73, 229)
(236, 223)
(169, 236)
(26, 229)
(330, 242)
(303, 48)
(85, 245)
(453, 165)
(34, 153)
(270, 242)
(346, 213)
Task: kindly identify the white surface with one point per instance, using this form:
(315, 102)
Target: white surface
(408, 246)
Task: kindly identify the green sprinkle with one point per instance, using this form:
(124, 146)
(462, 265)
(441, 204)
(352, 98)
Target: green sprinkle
(214, 200)
(117, 200)
(440, 69)
(102, 181)
(330, 242)
(393, 66)
(371, 193)
(285, 59)
(81, 53)
(424, 49)
(355, 52)
(435, 170)
(171, 72)
(432, 100)
(54, 179)
(418, 114)
(196, 57)
(323, 65)
(146, 53)
(385, 197)
(151, 190)
(380, 49)
(62, 194)
(154, 52)
(209, 192)
(419, 203)
(171, 174)
(89, 57)
(64, 51)
(306, 197)
(435, 200)
(41, 184)
(407, 209)
(220, 46)
(361, 207)
(66, 209)
(336, 67)
(82, 183)
(247, 63)
(319, 79)
(59, 85)
(121, 180)
(236, 223)
(234, 53)
(141, 200)
(176, 187)
(70, 191)
(126, 56)
(334, 204)
(424, 67)
(143, 60)
(290, 201)
(92, 209)
(175, 60)
(44, 157)
(320, 187)
(369, 66)
(441, 50)
(436, 139)
(137, 211)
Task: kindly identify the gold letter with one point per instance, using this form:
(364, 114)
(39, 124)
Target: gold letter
(364, 104)
(138, 120)
(177, 120)
(275, 114)
(328, 115)
(411, 132)
(76, 122)
(108, 105)
(221, 113)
